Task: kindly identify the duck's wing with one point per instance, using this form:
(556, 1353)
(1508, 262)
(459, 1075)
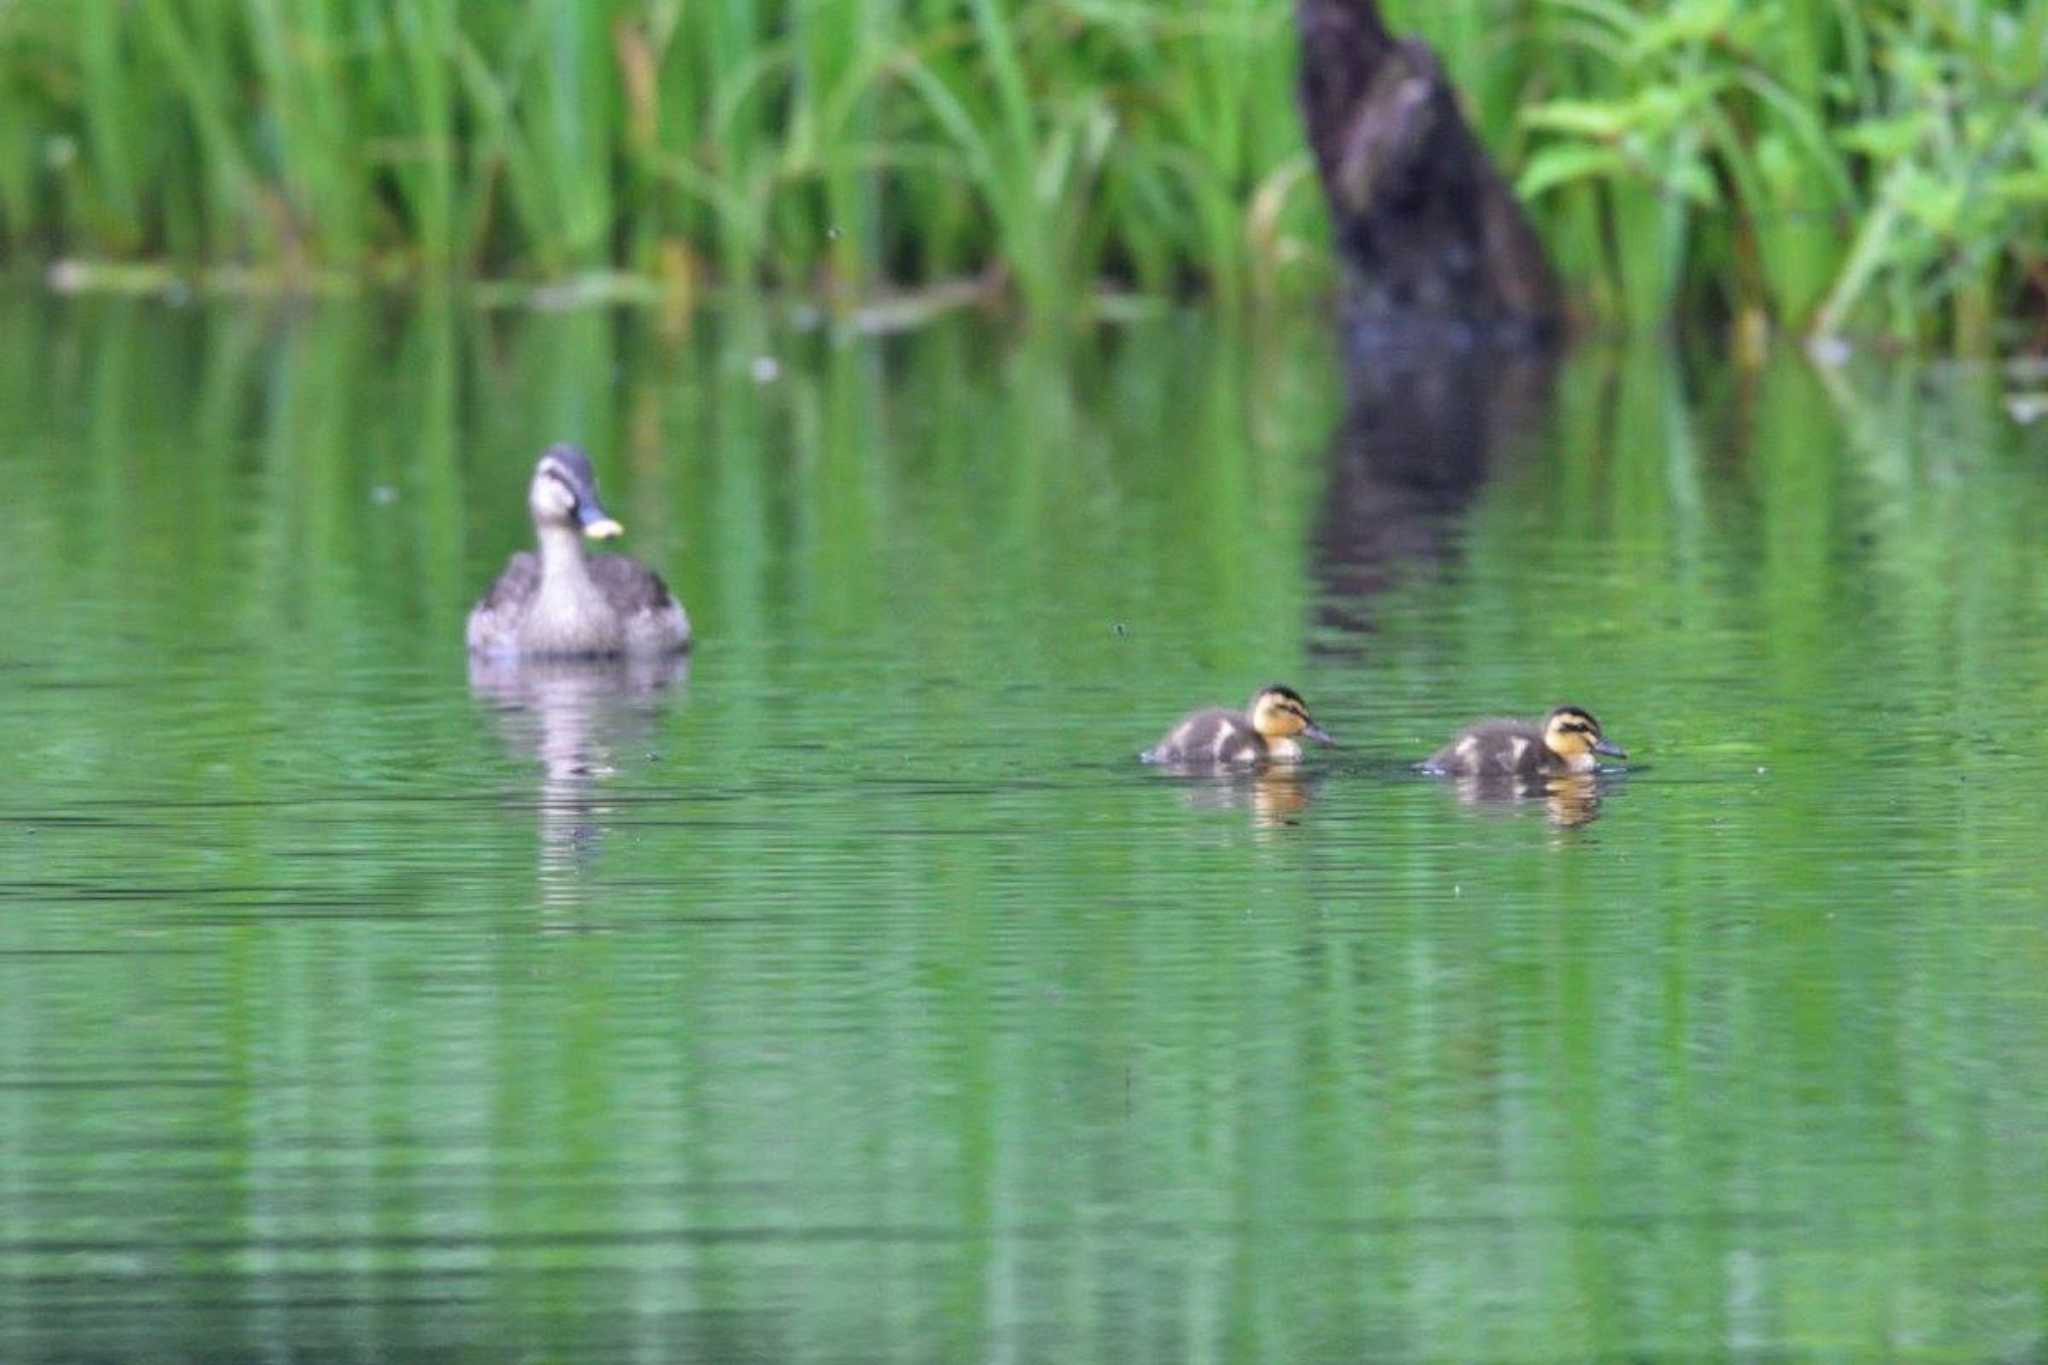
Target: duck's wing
(653, 619)
(494, 620)
(629, 585)
(519, 582)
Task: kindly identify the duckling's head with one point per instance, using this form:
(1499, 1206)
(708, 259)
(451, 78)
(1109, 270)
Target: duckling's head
(564, 493)
(1573, 735)
(1279, 713)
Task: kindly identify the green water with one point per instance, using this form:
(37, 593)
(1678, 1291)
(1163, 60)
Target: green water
(854, 995)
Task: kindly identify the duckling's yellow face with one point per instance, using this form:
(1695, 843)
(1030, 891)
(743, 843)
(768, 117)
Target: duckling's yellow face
(1280, 713)
(1574, 736)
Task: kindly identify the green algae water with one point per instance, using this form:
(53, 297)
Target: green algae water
(849, 992)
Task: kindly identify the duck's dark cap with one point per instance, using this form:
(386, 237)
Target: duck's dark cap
(573, 459)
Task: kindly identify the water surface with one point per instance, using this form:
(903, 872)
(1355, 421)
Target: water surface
(849, 993)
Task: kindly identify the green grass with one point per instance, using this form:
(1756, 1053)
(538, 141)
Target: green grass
(1832, 165)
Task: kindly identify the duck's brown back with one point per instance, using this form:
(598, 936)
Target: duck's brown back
(625, 608)
(654, 620)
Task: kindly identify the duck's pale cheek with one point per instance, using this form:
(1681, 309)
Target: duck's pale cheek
(1283, 750)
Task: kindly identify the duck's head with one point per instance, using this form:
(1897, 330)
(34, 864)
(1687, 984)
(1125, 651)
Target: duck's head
(1278, 712)
(1573, 735)
(564, 493)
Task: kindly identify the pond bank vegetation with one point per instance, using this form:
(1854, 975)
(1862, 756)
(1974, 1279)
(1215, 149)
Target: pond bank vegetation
(1820, 167)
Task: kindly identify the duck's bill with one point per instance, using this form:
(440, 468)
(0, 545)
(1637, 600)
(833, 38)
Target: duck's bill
(1609, 747)
(596, 524)
(1317, 733)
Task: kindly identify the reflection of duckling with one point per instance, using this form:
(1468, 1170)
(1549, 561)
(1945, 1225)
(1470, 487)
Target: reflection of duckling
(1279, 796)
(559, 602)
(1262, 732)
(1568, 741)
(1569, 799)
(1275, 794)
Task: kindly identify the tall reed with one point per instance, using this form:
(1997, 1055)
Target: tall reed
(1832, 164)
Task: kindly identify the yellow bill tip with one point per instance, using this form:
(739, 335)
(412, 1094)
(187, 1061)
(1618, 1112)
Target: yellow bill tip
(604, 528)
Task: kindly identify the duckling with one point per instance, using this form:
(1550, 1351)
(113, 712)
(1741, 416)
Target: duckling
(1263, 731)
(561, 603)
(1568, 741)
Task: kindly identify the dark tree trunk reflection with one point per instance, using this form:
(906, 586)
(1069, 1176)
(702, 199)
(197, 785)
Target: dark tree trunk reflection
(1423, 429)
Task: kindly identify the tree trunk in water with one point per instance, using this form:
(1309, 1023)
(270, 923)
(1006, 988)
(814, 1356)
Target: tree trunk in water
(1435, 248)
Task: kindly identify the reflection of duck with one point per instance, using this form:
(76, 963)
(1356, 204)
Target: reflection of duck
(561, 603)
(1568, 741)
(577, 716)
(1569, 799)
(1263, 732)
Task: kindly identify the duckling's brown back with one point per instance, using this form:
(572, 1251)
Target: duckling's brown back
(1506, 748)
(1213, 736)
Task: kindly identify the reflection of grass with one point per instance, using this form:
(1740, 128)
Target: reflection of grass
(1828, 163)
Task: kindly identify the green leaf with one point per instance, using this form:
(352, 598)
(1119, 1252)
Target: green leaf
(1888, 139)
(2022, 187)
(1560, 163)
(1587, 118)
(1692, 180)
(1935, 203)
(1687, 22)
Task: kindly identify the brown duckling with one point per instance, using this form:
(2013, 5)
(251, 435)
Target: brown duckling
(562, 603)
(1568, 741)
(1263, 732)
